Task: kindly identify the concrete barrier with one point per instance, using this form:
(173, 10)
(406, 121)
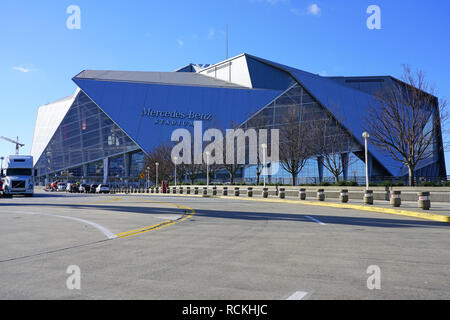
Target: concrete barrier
(282, 193)
(368, 197)
(249, 192)
(424, 201)
(321, 195)
(236, 192)
(302, 194)
(344, 195)
(265, 193)
(214, 191)
(396, 200)
(225, 191)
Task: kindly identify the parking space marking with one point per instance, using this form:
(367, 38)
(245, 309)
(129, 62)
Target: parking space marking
(298, 295)
(110, 235)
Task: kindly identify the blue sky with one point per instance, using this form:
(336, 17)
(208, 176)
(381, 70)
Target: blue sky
(39, 55)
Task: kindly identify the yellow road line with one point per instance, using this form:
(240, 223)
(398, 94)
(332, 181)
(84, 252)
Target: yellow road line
(161, 225)
(422, 215)
(415, 214)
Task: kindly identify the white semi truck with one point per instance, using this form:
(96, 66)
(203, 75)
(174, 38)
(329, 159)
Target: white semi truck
(18, 175)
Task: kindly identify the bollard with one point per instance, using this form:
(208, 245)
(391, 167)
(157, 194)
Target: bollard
(157, 190)
(282, 193)
(321, 195)
(368, 197)
(148, 190)
(396, 200)
(225, 191)
(424, 200)
(302, 194)
(181, 190)
(195, 190)
(236, 191)
(205, 191)
(344, 196)
(214, 191)
(188, 190)
(152, 190)
(265, 193)
(249, 192)
(174, 190)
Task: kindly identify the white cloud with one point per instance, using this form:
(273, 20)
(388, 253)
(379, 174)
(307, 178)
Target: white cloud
(180, 42)
(314, 9)
(21, 69)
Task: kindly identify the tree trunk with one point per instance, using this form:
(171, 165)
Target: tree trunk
(294, 178)
(336, 178)
(257, 179)
(411, 176)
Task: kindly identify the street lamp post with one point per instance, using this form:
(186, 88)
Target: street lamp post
(366, 136)
(207, 168)
(157, 165)
(148, 177)
(1, 166)
(264, 147)
(175, 159)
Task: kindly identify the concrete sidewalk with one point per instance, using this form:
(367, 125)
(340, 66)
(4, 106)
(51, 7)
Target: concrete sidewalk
(442, 208)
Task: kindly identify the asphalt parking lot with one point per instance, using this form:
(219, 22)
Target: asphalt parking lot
(165, 247)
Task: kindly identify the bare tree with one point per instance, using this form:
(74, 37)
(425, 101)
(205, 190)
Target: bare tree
(161, 155)
(333, 145)
(233, 168)
(295, 146)
(406, 119)
(257, 122)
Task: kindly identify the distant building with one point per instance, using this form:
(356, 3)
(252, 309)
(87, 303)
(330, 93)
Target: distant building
(103, 131)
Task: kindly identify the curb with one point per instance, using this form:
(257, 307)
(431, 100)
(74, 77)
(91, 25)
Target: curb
(415, 214)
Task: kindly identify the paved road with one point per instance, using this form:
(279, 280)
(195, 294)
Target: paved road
(162, 247)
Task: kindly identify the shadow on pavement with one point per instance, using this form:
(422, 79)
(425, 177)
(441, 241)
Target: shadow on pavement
(253, 216)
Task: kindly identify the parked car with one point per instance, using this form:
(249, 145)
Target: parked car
(103, 188)
(62, 187)
(93, 188)
(84, 188)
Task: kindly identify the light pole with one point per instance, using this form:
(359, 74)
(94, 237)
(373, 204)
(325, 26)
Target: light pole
(157, 165)
(207, 167)
(148, 177)
(366, 136)
(264, 147)
(175, 159)
(1, 166)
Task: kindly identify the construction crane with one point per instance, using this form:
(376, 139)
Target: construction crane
(18, 145)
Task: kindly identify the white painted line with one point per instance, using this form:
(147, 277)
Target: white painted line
(298, 295)
(168, 217)
(315, 220)
(105, 231)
